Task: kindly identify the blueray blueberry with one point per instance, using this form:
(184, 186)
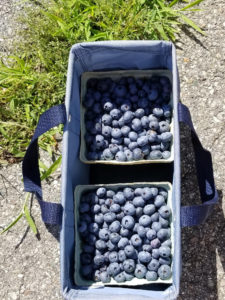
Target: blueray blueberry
(106, 256)
(125, 130)
(128, 222)
(99, 219)
(124, 232)
(167, 243)
(151, 276)
(106, 119)
(115, 208)
(120, 216)
(166, 154)
(164, 251)
(113, 148)
(100, 245)
(108, 106)
(104, 234)
(113, 269)
(146, 193)
(93, 228)
(164, 272)
(128, 116)
(142, 141)
(121, 256)
(153, 265)
(128, 277)
(154, 125)
(156, 226)
(111, 246)
(140, 271)
(138, 201)
(164, 222)
(106, 131)
(166, 137)
(149, 209)
(104, 208)
(101, 192)
(120, 90)
(115, 114)
(110, 193)
(145, 150)
(163, 234)
(147, 247)
(82, 227)
(155, 243)
(120, 156)
(99, 260)
(129, 155)
(116, 133)
(164, 127)
(141, 230)
(109, 217)
(129, 250)
(116, 141)
(97, 275)
(126, 106)
(155, 154)
(119, 198)
(136, 124)
(137, 154)
(152, 136)
(133, 145)
(158, 112)
(133, 136)
(155, 253)
(166, 110)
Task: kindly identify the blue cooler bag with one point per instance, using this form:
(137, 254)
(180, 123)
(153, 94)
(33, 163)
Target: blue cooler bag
(107, 56)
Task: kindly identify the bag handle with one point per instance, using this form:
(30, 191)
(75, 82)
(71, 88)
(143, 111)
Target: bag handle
(197, 214)
(51, 212)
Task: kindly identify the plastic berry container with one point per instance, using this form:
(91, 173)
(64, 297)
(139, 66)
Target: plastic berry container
(80, 190)
(116, 75)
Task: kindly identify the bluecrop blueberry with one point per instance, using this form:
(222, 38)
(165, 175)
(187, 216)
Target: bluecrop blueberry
(159, 201)
(85, 258)
(129, 209)
(93, 228)
(118, 141)
(136, 240)
(113, 257)
(167, 243)
(86, 270)
(139, 113)
(88, 248)
(104, 234)
(128, 276)
(166, 154)
(99, 260)
(136, 124)
(155, 154)
(100, 245)
(153, 265)
(129, 250)
(145, 150)
(141, 230)
(146, 193)
(123, 242)
(165, 261)
(158, 112)
(128, 222)
(109, 217)
(154, 125)
(155, 243)
(107, 154)
(120, 90)
(115, 208)
(104, 277)
(153, 95)
(99, 140)
(125, 130)
(165, 211)
(166, 137)
(142, 141)
(120, 156)
(155, 253)
(128, 116)
(119, 198)
(151, 234)
(126, 141)
(120, 277)
(114, 237)
(144, 257)
(113, 148)
(147, 247)
(129, 265)
(108, 106)
(164, 251)
(152, 136)
(145, 220)
(163, 234)
(120, 216)
(151, 276)
(167, 110)
(125, 106)
(124, 232)
(138, 201)
(137, 154)
(156, 226)
(121, 256)
(82, 227)
(115, 226)
(111, 246)
(115, 114)
(164, 127)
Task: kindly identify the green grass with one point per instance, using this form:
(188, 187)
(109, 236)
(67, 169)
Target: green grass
(33, 78)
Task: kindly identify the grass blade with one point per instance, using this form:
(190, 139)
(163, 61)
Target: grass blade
(29, 219)
(173, 3)
(13, 223)
(52, 168)
(191, 5)
(192, 24)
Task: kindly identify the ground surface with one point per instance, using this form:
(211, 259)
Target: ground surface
(29, 266)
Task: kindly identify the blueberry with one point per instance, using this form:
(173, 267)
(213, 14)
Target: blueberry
(128, 277)
(126, 106)
(158, 112)
(107, 154)
(106, 131)
(106, 257)
(165, 261)
(115, 208)
(119, 198)
(138, 191)
(121, 256)
(141, 230)
(128, 116)
(140, 271)
(144, 257)
(145, 220)
(164, 251)
(93, 228)
(126, 141)
(113, 148)
(139, 113)
(164, 272)
(111, 246)
(155, 147)
(97, 275)
(138, 201)
(116, 141)
(151, 234)
(114, 237)
(166, 154)
(167, 243)
(97, 108)
(133, 89)
(101, 201)
(120, 277)
(88, 248)
(104, 277)
(164, 127)
(133, 136)
(113, 257)
(151, 276)
(93, 156)
(82, 227)
(149, 209)
(155, 243)
(125, 130)
(164, 223)
(153, 265)
(146, 193)
(165, 211)
(154, 191)
(109, 217)
(85, 218)
(115, 123)
(156, 226)
(105, 225)
(155, 253)
(104, 208)
(99, 260)
(136, 124)
(85, 258)
(106, 119)
(145, 150)
(139, 212)
(153, 95)
(166, 137)
(120, 216)
(124, 232)
(115, 226)
(137, 154)
(129, 265)
(99, 140)
(100, 244)
(143, 103)
(104, 234)
(110, 193)
(147, 248)
(142, 141)
(108, 106)
(129, 154)
(164, 146)
(129, 209)
(128, 222)
(152, 136)
(133, 145)
(145, 122)
(159, 201)
(86, 270)
(120, 156)
(155, 154)
(154, 125)
(88, 102)
(115, 114)
(166, 110)
(136, 240)
(123, 243)
(129, 250)
(163, 234)
(120, 90)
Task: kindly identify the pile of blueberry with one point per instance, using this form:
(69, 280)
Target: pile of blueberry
(125, 234)
(128, 119)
